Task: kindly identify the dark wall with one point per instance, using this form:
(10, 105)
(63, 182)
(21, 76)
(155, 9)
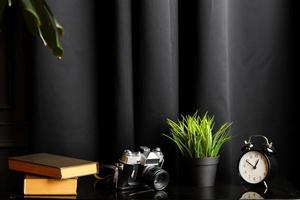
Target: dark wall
(237, 59)
(262, 76)
(13, 82)
(119, 79)
(14, 107)
(64, 92)
(102, 97)
(128, 65)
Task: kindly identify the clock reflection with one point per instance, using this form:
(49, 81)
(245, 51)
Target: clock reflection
(251, 195)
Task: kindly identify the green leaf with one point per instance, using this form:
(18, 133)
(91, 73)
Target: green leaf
(40, 22)
(48, 28)
(194, 136)
(58, 26)
(179, 145)
(31, 16)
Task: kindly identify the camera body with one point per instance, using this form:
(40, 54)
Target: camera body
(141, 169)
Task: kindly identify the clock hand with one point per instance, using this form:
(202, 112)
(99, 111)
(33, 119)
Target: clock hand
(250, 164)
(256, 163)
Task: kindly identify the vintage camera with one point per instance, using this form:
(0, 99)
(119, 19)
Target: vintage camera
(141, 169)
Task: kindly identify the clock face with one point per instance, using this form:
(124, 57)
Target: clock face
(253, 167)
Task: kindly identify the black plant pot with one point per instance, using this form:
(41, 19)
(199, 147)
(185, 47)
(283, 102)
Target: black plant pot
(200, 172)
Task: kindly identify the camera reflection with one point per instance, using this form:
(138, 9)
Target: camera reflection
(142, 194)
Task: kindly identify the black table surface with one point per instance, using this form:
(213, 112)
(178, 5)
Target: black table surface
(88, 188)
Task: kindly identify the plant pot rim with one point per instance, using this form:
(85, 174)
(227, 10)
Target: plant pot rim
(205, 160)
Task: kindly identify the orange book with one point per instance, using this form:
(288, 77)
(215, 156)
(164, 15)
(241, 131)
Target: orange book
(54, 166)
(35, 185)
(49, 197)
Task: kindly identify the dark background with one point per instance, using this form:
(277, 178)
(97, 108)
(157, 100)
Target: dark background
(130, 64)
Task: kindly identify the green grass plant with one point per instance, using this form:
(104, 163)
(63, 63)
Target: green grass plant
(194, 135)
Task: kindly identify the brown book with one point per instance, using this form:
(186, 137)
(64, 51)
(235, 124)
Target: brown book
(35, 185)
(54, 166)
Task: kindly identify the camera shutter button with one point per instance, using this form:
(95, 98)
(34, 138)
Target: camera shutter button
(157, 149)
(127, 152)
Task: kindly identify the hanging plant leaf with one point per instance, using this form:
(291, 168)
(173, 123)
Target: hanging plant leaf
(48, 29)
(58, 26)
(40, 22)
(32, 19)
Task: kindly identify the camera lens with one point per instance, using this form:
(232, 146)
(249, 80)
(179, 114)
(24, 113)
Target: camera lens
(156, 177)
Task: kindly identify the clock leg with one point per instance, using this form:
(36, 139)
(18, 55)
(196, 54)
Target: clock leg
(266, 186)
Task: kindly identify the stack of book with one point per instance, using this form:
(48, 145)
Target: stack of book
(51, 175)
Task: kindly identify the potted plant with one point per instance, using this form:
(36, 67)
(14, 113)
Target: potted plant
(199, 145)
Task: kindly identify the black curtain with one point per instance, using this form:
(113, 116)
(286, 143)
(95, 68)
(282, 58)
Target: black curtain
(130, 64)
